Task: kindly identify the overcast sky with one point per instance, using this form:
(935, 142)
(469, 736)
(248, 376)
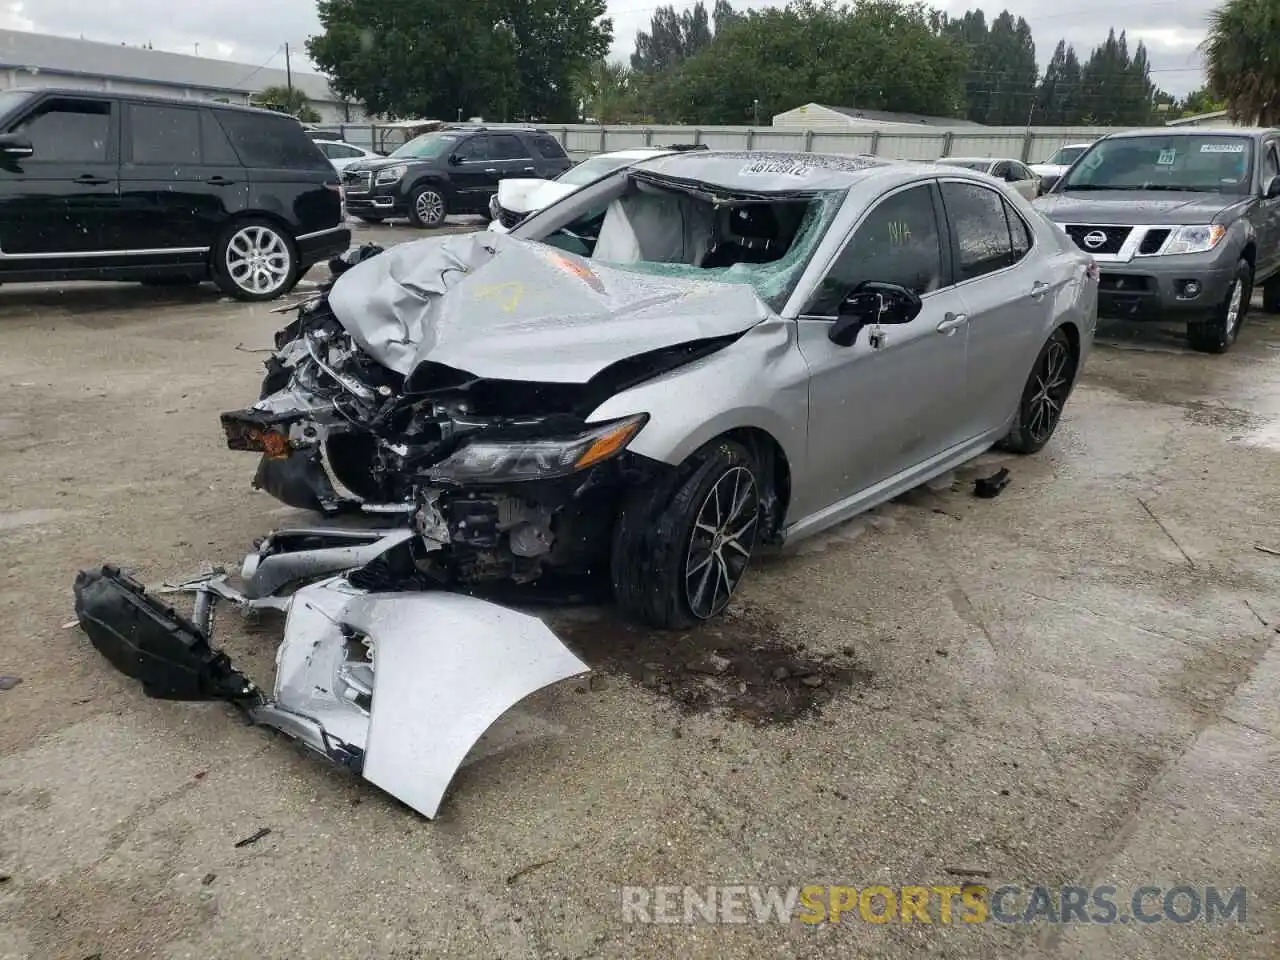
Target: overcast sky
(251, 31)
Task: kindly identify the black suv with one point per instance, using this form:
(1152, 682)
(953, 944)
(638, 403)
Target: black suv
(100, 186)
(454, 170)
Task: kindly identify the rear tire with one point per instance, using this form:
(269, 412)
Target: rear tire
(1045, 394)
(255, 260)
(1217, 334)
(681, 547)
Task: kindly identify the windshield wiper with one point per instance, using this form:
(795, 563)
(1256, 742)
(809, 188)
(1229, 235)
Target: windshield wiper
(1176, 188)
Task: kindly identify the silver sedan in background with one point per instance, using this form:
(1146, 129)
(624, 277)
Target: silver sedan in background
(676, 364)
(1013, 172)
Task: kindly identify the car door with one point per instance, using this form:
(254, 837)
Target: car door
(59, 199)
(1006, 294)
(180, 180)
(474, 178)
(874, 412)
(510, 157)
(1268, 220)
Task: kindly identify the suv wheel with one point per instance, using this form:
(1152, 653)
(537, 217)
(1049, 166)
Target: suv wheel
(427, 207)
(680, 549)
(255, 260)
(1217, 334)
(1044, 396)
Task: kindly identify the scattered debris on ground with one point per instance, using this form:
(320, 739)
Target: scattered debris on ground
(741, 663)
(989, 487)
(253, 837)
(8, 683)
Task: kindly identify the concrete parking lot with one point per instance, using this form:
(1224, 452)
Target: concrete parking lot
(1076, 683)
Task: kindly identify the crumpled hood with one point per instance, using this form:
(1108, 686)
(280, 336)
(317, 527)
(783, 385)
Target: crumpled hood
(1134, 206)
(509, 309)
(528, 194)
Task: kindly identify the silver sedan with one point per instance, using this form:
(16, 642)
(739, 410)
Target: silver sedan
(1013, 172)
(676, 364)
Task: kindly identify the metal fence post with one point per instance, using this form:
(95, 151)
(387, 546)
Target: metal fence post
(808, 141)
(946, 143)
(1026, 146)
(751, 137)
(697, 135)
(648, 136)
(875, 143)
(604, 139)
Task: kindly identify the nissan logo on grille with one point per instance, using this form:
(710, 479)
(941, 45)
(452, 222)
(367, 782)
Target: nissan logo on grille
(1094, 239)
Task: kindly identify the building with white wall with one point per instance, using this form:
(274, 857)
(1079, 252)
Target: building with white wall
(822, 118)
(42, 60)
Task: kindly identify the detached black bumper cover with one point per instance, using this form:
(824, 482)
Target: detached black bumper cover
(153, 643)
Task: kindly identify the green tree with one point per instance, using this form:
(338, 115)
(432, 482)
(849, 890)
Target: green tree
(1057, 96)
(671, 38)
(607, 93)
(1241, 59)
(1200, 101)
(286, 100)
(1116, 88)
(432, 58)
(879, 55)
(1013, 72)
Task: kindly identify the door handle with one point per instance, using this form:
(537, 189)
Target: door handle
(219, 182)
(951, 323)
(90, 180)
(491, 170)
(530, 169)
(1039, 289)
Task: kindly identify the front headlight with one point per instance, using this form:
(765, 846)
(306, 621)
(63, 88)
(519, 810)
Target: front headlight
(390, 174)
(497, 461)
(1195, 239)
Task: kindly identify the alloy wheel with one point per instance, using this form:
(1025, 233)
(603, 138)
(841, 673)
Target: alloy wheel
(429, 207)
(1234, 304)
(258, 259)
(720, 544)
(1052, 378)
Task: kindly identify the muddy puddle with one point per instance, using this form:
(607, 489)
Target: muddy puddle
(742, 663)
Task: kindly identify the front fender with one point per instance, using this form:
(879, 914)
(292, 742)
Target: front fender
(759, 381)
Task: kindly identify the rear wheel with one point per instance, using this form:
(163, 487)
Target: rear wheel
(681, 548)
(1043, 397)
(255, 260)
(1217, 334)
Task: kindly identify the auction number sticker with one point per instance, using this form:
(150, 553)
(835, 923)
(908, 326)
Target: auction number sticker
(779, 168)
(1167, 157)
(1222, 148)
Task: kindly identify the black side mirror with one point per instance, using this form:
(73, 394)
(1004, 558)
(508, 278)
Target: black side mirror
(1271, 188)
(454, 159)
(870, 303)
(13, 147)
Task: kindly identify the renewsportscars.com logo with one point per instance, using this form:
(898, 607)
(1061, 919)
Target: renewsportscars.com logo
(971, 903)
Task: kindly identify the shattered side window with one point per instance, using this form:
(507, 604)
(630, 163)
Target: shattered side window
(773, 282)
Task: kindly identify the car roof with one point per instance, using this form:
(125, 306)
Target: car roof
(145, 98)
(1252, 133)
(767, 171)
(636, 153)
(980, 160)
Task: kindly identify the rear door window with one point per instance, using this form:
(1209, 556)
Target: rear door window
(272, 142)
(215, 148)
(163, 134)
(506, 146)
(979, 229)
(67, 130)
(549, 147)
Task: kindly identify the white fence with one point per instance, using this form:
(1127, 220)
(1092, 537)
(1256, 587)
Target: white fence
(1030, 145)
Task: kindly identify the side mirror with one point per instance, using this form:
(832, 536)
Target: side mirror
(870, 303)
(454, 159)
(1048, 183)
(13, 147)
(1271, 188)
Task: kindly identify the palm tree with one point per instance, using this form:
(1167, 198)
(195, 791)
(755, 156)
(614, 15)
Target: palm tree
(1240, 59)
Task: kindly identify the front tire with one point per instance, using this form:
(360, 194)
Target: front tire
(255, 260)
(681, 548)
(427, 207)
(1217, 334)
(1043, 397)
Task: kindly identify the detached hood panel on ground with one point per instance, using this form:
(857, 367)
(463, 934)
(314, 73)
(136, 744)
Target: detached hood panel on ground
(1134, 206)
(508, 309)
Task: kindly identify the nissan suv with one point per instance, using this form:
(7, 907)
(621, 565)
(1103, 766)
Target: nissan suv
(102, 186)
(455, 170)
(1183, 224)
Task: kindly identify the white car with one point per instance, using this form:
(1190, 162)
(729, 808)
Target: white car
(1012, 172)
(518, 197)
(341, 153)
(1058, 164)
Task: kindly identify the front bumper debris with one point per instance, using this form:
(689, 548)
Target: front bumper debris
(395, 685)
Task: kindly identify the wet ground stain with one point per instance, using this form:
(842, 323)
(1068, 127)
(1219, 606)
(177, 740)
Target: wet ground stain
(742, 663)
